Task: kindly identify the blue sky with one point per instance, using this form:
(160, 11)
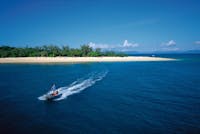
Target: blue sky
(126, 25)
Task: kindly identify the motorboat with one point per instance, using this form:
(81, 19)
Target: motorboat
(53, 93)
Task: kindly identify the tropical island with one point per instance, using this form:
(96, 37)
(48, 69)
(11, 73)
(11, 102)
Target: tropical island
(65, 54)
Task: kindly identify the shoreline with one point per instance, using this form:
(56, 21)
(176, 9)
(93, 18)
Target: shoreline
(80, 59)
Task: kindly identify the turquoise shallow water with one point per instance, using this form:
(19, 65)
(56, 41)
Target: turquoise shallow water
(129, 97)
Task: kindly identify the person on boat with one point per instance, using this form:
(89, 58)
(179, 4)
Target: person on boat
(55, 92)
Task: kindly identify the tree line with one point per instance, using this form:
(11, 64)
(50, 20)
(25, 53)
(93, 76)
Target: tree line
(53, 51)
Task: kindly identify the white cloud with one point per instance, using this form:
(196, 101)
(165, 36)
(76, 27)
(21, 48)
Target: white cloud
(102, 46)
(197, 42)
(127, 44)
(169, 46)
(169, 43)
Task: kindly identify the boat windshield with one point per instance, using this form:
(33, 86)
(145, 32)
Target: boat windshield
(53, 87)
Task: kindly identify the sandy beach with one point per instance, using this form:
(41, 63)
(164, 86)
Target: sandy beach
(80, 59)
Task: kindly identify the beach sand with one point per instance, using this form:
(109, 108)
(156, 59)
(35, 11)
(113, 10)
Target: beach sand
(80, 59)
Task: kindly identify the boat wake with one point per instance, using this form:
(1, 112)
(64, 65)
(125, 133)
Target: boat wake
(78, 85)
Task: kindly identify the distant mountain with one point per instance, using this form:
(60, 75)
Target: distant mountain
(193, 51)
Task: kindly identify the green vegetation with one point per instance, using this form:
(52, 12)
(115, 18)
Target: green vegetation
(53, 51)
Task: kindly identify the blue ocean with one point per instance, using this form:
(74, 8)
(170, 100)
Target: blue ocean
(102, 98)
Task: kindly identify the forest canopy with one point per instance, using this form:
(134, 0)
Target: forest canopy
(54, 51)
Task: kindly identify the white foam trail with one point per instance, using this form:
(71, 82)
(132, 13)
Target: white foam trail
(79, 85)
